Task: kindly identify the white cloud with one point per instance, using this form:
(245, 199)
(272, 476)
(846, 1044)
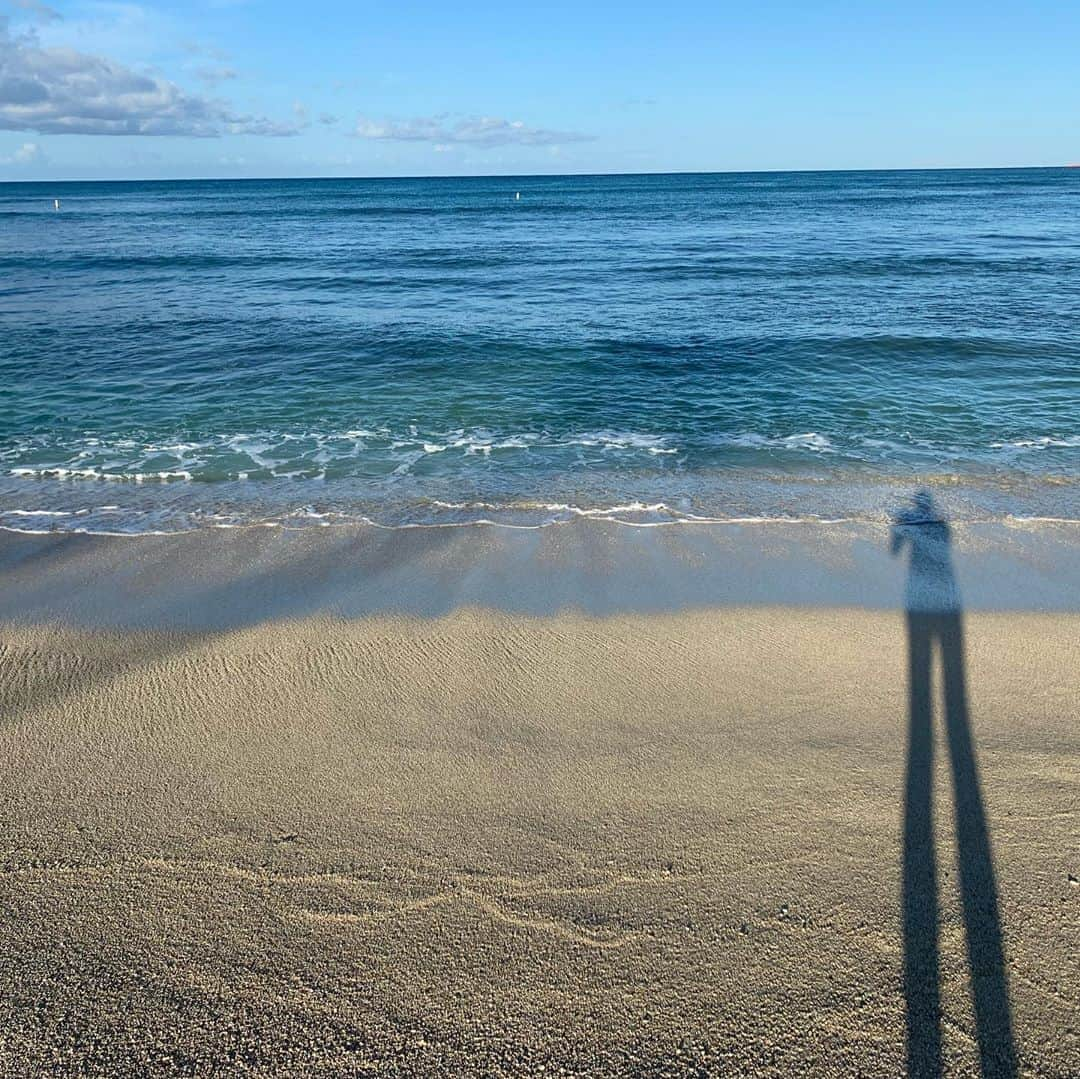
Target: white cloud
(30, 153)
(64, 91)
(483, 131)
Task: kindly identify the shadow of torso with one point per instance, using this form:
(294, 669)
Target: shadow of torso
(931, 583)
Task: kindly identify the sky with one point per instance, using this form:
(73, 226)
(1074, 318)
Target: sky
(102, 89)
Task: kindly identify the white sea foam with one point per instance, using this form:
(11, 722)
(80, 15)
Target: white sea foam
(1026, 519)
(635, 514)
(1071, 442)
(808, 440)
(57, 473)
(35, 513)
(250, 455)
(362, 453)
(527, 515)
(98, 474)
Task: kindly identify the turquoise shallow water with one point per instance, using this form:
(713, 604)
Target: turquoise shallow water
(654, 348)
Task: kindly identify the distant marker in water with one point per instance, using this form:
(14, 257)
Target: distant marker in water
(517, 195)
(56, 204)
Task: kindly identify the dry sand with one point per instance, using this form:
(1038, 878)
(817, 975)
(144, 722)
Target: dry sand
(501, 845)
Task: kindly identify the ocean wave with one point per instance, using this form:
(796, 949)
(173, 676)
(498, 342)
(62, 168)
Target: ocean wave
(269, 454)
(381, 453)
(317, 454)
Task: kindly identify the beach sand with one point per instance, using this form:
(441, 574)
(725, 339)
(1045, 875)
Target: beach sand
(496, 843)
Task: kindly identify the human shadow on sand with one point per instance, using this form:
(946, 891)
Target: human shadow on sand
(935, 624)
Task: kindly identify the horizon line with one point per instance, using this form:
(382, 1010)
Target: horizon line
(542, 175)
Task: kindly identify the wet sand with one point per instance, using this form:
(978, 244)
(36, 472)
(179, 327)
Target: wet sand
(221, 579)
(485, 841)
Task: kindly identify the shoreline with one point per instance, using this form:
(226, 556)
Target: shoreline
(231, 578)
(812, 491)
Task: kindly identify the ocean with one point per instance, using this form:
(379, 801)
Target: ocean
(533, 350)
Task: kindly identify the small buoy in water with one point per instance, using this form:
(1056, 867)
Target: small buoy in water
(56, 204)
(517, 194)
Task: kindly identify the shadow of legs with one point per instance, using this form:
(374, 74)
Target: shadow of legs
(982, 921)
(919, 869)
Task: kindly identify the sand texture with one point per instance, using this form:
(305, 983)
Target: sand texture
(498, 845)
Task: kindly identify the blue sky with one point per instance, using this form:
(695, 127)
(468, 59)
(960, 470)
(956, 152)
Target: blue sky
(95, 89)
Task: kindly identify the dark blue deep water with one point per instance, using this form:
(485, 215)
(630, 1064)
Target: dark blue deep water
(649, 347)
